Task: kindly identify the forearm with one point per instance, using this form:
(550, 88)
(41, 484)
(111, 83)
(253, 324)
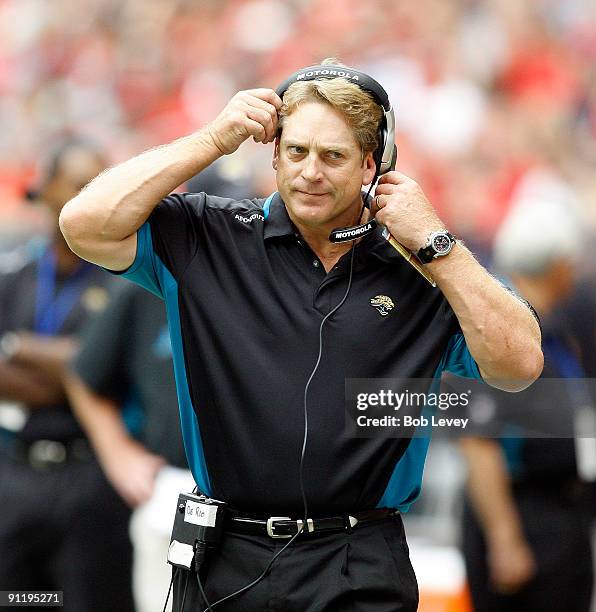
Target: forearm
(27, 386)
(116, 203)
(489, 490)
(99, 417)
(500, 331)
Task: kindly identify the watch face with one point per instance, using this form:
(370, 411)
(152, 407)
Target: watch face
(441, 244)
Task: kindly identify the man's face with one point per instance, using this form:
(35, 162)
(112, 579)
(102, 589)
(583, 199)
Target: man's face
(320, 170)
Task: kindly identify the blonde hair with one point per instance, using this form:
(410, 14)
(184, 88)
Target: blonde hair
(360, 109)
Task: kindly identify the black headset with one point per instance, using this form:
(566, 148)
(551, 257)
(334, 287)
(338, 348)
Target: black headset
(385, 155)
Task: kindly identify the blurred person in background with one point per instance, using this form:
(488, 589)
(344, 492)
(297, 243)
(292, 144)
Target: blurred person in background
(247, 285)
(63, 527)
(526, 524)
(126, 356)
(578, 315)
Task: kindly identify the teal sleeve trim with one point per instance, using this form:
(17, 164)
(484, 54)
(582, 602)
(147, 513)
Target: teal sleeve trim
(191, 434)
(458, 360)
(149, 272)
(267, 205)
(405, 483)
(407, 477)
(144, 269)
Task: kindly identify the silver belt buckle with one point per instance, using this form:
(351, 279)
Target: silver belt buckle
(270, 522)
(299, 525)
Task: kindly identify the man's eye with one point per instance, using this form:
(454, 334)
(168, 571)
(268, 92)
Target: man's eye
(295, 150)
(334, 154)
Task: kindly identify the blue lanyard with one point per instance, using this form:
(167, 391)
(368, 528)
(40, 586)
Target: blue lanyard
(51, 308)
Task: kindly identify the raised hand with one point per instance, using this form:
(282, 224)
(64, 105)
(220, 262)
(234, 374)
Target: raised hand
(401, 205)
(249, 113)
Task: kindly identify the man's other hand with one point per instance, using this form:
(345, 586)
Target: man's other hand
(249, 113)
(401, 205)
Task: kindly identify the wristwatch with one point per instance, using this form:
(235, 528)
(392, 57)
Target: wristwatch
(438, 244)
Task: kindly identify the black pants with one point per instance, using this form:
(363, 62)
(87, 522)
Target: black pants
(558, 532)
(65, 529)
(367, 570)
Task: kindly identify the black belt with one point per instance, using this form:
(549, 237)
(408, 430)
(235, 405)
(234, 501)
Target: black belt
(285, 527)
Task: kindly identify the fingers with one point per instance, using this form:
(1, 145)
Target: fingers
(386, 190)
(263, 118)
(267, 95)
(256, 130)
(262, 110)
(394, 178)
(379, 202)
(249, 113)
(388, 182)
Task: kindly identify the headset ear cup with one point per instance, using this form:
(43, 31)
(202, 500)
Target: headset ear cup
(378, 153)
(393, 159)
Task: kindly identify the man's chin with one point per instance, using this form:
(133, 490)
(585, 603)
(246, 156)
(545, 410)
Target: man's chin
(310, 209)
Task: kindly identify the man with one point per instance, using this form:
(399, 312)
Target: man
(248, 298)
(63, 527)
(526, 526)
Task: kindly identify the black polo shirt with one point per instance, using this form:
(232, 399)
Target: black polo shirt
(245, 297)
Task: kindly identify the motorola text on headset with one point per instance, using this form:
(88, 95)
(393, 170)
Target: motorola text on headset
(199, 520)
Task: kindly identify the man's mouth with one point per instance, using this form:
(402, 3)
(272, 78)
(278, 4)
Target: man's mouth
(310, 193)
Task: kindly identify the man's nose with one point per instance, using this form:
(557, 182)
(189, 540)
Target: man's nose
(311, 170)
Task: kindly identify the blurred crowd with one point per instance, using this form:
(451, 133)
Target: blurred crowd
(485, 91)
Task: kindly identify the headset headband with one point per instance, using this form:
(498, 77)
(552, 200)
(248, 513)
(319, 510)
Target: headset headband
(316, 73)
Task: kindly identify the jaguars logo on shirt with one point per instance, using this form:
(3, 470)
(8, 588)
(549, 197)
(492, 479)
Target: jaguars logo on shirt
(383, 304)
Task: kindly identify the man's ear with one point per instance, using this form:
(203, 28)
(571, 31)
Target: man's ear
(369, 170)
(275, 153)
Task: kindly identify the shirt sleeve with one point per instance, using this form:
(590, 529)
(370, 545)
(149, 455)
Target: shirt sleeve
(167, 242)
(458, 360)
